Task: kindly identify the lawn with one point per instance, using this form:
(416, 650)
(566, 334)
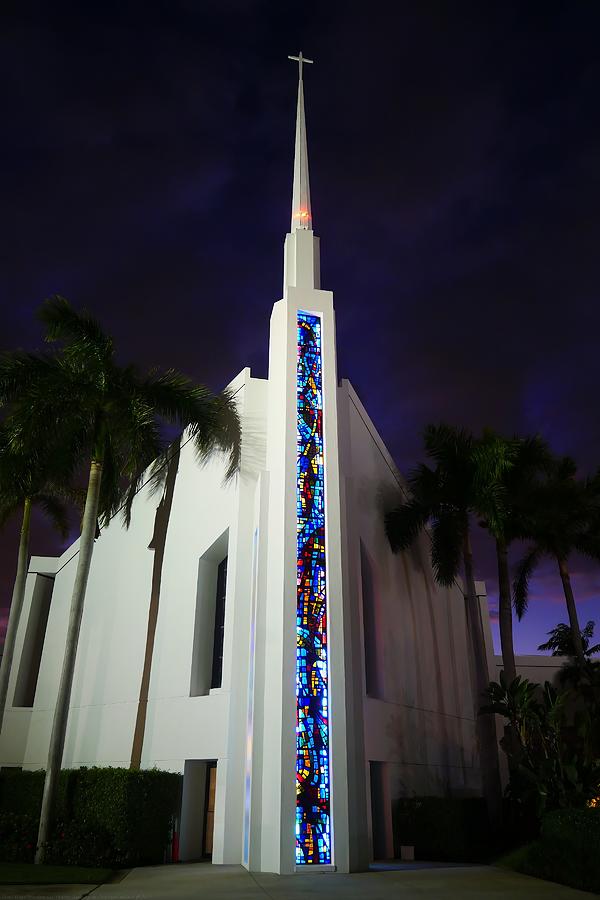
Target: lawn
(28, 873)
(563, 868)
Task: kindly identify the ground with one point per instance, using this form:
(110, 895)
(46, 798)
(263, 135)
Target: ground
(205, 882)
(28, 873)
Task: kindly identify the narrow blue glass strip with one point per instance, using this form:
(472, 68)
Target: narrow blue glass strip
(313, 814)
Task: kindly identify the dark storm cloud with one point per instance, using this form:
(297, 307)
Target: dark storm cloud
(146, 174)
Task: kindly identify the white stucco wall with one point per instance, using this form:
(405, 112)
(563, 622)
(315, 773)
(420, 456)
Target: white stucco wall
(420, 725)
(536, 667)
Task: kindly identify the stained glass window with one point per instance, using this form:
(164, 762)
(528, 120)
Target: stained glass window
(313, 819)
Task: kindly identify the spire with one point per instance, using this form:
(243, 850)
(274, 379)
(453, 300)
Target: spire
(301, 265)
(301, 212)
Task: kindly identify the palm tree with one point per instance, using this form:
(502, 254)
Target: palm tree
(561, 516)
(506, 469)
(112, 415)
(444, 497)
(25, 482)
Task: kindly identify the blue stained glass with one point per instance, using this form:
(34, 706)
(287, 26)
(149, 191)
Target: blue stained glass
(313, 815)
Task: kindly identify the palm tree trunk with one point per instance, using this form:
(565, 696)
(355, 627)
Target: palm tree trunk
(59, 725)
(485, 725)
(505, 613)
(16, 607)
(572, 610)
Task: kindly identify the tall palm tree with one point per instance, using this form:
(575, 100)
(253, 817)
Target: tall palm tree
(561, 516)
(112, 415)
(506, 469)
(27, 481)
(444, 497)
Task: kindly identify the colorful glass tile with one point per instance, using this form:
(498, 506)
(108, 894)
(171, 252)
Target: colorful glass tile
(313, 815)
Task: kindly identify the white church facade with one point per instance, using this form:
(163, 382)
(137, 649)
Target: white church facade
(258, 635)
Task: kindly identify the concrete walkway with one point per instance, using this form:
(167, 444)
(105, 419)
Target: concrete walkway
(202, 881)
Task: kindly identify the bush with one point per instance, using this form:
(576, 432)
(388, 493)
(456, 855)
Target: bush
(104, 816)
(567, 851)
(454, 829)
(551, 740)
(18, 834)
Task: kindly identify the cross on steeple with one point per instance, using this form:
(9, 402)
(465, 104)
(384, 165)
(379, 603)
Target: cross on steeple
(300, 59)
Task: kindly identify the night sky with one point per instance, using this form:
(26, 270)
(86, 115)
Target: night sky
(145, 167)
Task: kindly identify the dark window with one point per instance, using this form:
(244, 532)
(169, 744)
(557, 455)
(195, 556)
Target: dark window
(369, 601)
(217, 666)
(31, 656)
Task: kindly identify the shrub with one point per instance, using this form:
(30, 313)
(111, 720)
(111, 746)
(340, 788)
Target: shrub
(567, 851)
(104, 816)
(551, 740)
(18, 835)
(454, 829)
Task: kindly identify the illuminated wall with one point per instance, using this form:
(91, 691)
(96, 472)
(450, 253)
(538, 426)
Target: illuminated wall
(313, 820)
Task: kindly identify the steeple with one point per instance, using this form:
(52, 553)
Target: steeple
(301, 212)
(301, 264)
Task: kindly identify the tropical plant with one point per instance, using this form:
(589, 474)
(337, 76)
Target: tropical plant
(111, 414)
(560, 641)
(30, 477)
(561, 516)
(551, 744)
(443, 498)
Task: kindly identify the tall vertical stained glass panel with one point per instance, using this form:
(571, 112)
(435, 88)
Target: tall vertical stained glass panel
(313, 818)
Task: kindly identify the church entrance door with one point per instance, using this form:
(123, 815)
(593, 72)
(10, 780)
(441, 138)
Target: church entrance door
(209, 808)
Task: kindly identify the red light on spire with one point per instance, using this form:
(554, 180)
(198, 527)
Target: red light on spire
(302, 214)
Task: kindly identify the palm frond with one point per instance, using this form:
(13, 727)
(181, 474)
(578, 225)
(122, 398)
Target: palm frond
(129, 495)
(447, 534)
(8, 507)
(55, 510)
(112, 488)
(64, 323)
(523, 573)
(560, 640)
(588, 544)
(176, 398)
(534, 455)
(21, 372)
(494, 456)
(587, 633)
(68, 494)
(566, 468)
(444, 442)
(425, 485)
(134, 431)
(404, 524)
(34, 468)
(223, 434)
(490, 502)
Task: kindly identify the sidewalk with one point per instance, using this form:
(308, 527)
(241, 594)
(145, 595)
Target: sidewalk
(201, 881)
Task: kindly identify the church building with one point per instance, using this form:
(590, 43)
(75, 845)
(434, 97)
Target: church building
(257, 635)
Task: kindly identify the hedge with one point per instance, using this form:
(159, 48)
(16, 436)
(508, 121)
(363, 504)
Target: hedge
(567, 851)
(454, 829)
(104, 816)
